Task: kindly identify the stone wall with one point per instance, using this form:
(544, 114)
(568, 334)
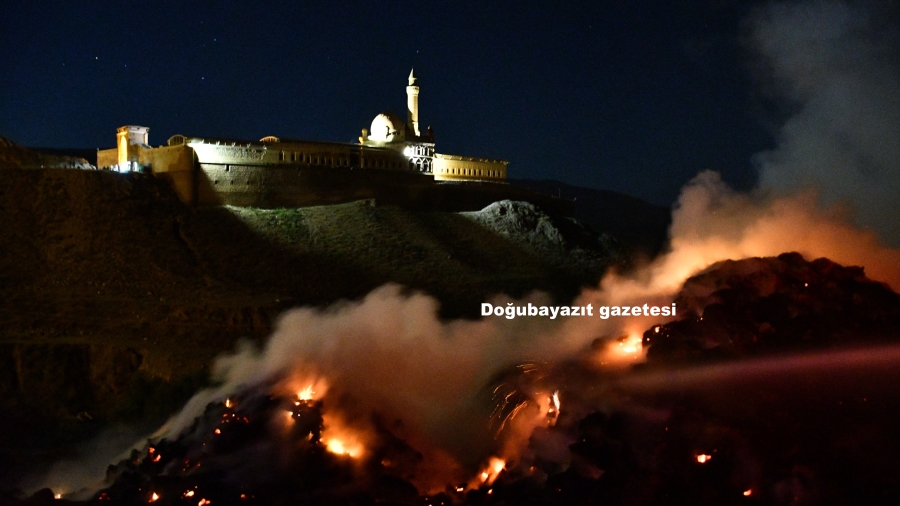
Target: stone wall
(464, 168)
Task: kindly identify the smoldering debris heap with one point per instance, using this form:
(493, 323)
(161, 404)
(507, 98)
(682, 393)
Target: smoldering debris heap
(816, 426)
(758, 306)
(259, 448)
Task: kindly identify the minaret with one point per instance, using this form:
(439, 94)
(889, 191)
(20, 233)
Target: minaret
(412, 104)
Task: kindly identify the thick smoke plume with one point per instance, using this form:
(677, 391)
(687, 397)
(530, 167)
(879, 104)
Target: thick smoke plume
(430, 380)
(838, 64)
(391, 355)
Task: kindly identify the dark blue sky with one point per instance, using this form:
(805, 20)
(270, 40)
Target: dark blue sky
(636, 99)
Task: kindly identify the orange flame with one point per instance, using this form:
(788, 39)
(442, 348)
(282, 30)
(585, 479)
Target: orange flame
(625, 350)
(154, 497)
(307, 394)
(703, 458)
(494, 467)
(341, 447)
(340, 439)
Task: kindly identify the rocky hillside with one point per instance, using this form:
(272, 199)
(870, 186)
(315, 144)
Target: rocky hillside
(640, 225)
(14, 156)
(116, 297)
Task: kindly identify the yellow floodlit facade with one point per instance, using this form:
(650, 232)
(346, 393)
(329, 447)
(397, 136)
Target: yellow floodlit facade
(212, 170)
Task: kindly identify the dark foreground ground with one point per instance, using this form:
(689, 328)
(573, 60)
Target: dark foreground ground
(778, 386)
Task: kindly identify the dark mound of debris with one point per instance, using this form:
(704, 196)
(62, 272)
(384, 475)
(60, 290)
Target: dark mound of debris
(756, 306)
(261, 449)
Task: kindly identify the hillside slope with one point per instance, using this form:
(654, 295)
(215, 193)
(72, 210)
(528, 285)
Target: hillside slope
(637, 223)
(104, 275)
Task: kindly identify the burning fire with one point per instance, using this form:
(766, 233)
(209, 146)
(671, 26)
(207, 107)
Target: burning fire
(154, 497)
(339, 439)
(493, 469)
(307, 394)
(340, 447)
(703, 458)
(627, 347)
(624, 350)
(304, 388)
(553, 411)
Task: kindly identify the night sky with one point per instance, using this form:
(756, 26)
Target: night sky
(614, 95)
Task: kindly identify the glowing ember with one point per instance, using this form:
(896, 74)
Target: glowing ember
(203, 502)
(703, 458)
(555, 400)
(339, 447)
(228, 403)
(58, 496)
(748, 492)
(154, 497)
(494, 467)
(631, 345)
(306, 394)
(218, 431)
(624, 350)
(189, 493)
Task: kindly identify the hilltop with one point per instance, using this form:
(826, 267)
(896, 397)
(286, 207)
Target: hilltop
(116, 296)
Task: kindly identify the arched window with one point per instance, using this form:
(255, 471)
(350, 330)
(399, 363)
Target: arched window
(177, 140)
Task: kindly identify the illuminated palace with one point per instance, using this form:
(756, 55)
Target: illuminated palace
(391, 157)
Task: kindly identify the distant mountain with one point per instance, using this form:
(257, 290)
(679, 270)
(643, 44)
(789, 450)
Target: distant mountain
(88, 154)
(633, 221)
(14, 156)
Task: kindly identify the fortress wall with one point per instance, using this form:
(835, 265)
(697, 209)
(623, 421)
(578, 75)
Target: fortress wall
(297, 186)
(107, 158)
(173, 164)
(305, 153)
(300, 186)
(461, 168)
(295, 173)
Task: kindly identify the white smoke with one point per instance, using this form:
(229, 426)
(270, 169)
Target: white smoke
(391, 353)
(839, 64)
